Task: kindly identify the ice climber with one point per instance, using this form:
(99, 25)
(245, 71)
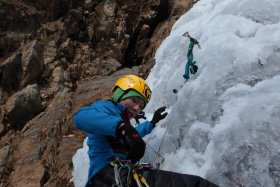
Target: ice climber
(116, 147)
(190, 65)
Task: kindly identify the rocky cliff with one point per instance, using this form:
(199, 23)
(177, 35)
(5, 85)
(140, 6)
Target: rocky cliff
(59, 55)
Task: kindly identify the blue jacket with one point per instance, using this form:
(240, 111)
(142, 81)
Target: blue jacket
(99, 121)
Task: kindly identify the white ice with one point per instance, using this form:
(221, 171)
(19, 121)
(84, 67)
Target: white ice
(224, 123)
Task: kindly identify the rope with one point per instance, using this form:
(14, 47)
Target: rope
(161, 144)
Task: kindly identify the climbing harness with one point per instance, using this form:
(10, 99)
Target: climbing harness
(118, 167)
(133, 171)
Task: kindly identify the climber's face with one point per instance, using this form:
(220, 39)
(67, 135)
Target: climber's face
(134, 105)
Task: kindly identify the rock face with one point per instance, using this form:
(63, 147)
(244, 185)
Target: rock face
(56, 56)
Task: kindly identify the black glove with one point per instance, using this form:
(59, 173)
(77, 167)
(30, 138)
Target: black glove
(133, 142)
(158, 115)
(139, 116)
(193, 69)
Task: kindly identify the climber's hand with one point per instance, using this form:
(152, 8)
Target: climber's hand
(158, 115)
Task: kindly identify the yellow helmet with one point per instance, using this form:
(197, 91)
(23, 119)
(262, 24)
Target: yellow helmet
(133, 82)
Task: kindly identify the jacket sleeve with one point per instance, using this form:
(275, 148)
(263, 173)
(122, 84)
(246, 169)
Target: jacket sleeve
(97, 120)
(144, 128)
